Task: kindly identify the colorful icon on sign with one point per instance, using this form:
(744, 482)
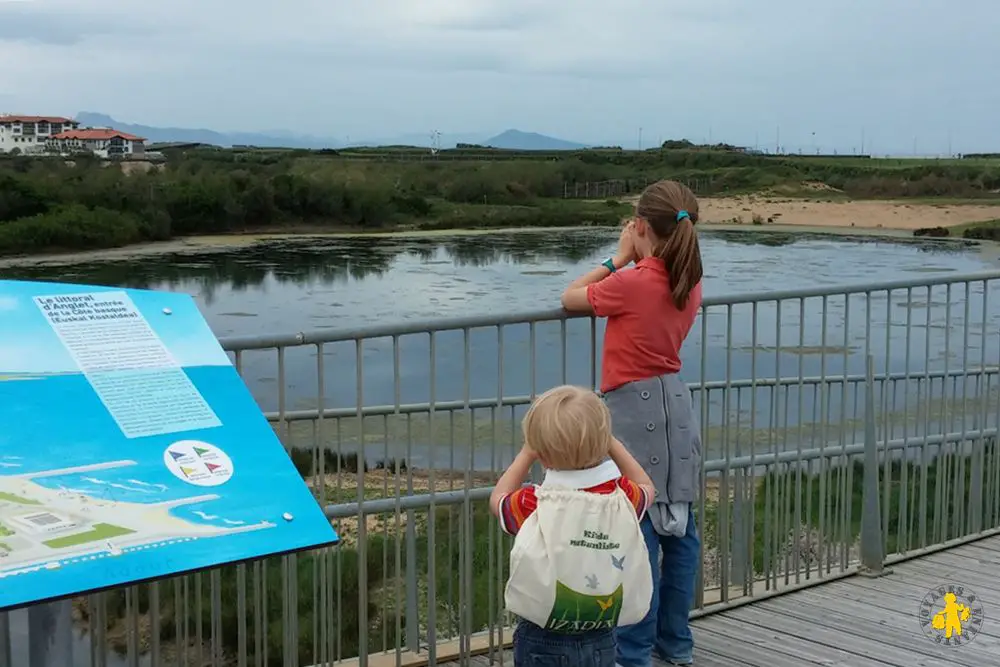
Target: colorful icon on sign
(198, 463)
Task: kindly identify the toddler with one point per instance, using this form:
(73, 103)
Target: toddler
(579, 567)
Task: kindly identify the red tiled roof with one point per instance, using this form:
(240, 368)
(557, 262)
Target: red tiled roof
(95, 134)
(35, 119)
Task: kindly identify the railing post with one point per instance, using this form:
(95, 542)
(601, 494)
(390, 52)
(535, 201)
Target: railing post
(4, 640)
(741, 563)
(412, 618)
(50, 634)
(872, 551)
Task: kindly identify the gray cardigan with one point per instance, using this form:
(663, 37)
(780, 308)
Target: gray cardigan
(655, 420)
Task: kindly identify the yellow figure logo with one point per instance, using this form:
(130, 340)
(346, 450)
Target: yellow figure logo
(951, 618)
(951, 615)
(605, 604)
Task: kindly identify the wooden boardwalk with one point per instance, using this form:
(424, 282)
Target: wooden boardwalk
(854, 622)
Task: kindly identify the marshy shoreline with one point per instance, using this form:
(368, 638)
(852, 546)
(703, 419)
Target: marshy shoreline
(760, 212)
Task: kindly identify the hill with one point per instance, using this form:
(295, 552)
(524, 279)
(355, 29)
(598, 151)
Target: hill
(511, 139)
(530, 141)
(204, 136)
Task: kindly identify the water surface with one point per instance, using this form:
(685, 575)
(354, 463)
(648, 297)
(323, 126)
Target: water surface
(345, 285)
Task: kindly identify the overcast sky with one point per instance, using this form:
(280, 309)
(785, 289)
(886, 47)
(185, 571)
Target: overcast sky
(901, 73)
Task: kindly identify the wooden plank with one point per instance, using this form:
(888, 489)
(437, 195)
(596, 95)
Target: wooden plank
(828, 635)
(893, 630)
(876, 608)
(972, 551)
(730, 635)
(447, 652)
(944, 572)
(981, 550)
(705, 658)
(927, 576)
(991, 543)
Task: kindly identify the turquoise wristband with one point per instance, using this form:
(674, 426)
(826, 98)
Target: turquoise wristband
(609, 264)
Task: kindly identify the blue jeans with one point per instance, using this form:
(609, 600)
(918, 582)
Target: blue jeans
(666, 625)
(537, 647)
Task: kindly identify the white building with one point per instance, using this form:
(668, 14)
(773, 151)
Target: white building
(102, 142)
(29, 134)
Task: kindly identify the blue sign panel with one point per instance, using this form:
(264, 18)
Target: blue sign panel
(130, 449)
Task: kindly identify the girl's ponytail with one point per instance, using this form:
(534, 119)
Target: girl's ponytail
(671, 210)
(682, 256)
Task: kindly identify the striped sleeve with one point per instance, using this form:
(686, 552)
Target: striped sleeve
(516, 507)
(636, 495)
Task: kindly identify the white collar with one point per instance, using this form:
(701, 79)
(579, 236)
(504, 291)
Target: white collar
(582, 479)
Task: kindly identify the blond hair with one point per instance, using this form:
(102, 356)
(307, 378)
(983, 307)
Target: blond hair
(569, 428)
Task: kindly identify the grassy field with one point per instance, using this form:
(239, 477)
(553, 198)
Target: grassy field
(100, 531)
(12, 498)
(51, 204)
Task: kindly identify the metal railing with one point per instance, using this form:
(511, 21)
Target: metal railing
(841, 428)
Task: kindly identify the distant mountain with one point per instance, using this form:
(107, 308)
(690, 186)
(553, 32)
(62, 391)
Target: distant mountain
(530, 141)
(203, 136)
(423, 140)
(511, 139)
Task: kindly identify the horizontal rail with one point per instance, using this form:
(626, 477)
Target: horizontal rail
(517, 401)
(403, 503)
(242, 343)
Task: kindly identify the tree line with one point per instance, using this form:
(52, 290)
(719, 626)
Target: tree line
(84, 203)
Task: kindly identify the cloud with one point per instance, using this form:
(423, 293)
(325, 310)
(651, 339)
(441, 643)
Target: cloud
(39, 23)
(589, 70)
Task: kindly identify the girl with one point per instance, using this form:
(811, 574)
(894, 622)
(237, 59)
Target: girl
(650, 310)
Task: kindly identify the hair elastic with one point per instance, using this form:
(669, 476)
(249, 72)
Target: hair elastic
(681, 215)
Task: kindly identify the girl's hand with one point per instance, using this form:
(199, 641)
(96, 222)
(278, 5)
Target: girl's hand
(625, 254)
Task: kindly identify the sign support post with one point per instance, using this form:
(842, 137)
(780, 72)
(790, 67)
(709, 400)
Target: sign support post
(5, 640)
(50, 634)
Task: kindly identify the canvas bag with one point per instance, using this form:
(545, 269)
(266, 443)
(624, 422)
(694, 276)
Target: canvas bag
(579, 563)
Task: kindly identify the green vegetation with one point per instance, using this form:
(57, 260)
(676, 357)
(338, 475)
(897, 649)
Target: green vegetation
(48, 203)
(5, 531)
(987, 230)
(100, 531)
(829, 507)
(11, 498)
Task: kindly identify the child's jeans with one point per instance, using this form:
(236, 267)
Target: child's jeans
(537, 647)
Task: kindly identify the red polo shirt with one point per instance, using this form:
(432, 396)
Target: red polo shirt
(645, 328)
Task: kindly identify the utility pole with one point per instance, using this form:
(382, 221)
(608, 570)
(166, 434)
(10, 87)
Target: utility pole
(777, 140)
(640, 138)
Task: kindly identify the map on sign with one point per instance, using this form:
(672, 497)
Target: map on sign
(130, 449)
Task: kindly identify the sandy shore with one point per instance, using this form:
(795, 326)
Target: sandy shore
(842, 213)
(772, 212)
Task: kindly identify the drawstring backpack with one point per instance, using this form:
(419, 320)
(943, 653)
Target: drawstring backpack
(580, 563)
